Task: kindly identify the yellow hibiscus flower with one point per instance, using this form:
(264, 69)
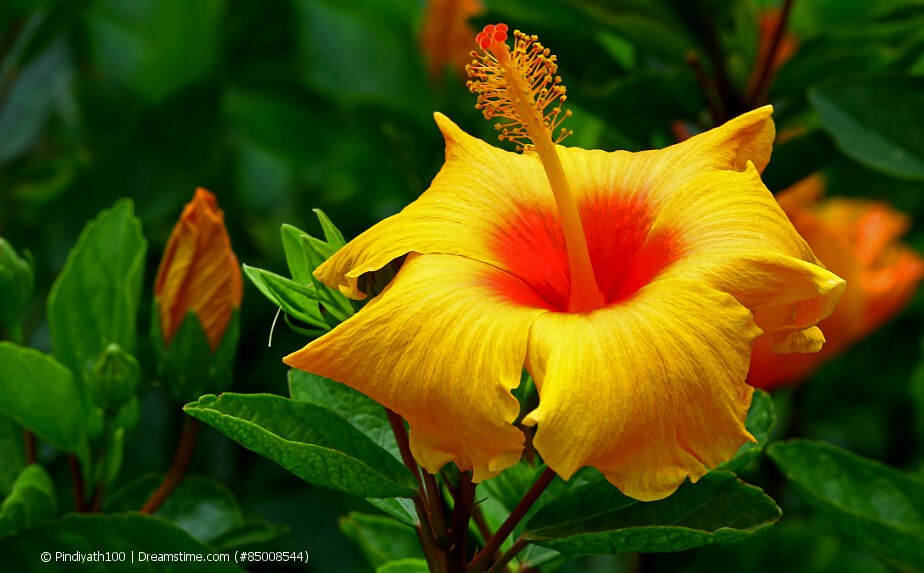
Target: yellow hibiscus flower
(623, 282)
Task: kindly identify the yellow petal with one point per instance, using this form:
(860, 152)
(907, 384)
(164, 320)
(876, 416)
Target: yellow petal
(466, 211)
(748, 137)
(729, 232)
(443, 345)
(648, 391)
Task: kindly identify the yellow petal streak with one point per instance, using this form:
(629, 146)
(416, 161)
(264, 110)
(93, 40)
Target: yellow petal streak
(648, 392)
(443, 348)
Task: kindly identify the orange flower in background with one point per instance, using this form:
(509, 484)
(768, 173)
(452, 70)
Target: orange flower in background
(623, 282)
(199, 272)
(446, 36)
(859, 240)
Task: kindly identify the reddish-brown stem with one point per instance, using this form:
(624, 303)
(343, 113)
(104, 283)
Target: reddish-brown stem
(28, 441)
(706, 86)
(461, 515)
(765, 68)
(181, 461)
(501, 564)
(437, 515)
(481, 559)
(404, 446)
(80, 502)
(724, 89)
(98, 497)
(481, 523)
(435, 558)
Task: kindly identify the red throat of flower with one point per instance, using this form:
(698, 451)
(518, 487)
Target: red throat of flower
(521, 86)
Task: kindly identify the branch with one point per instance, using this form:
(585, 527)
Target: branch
(181, 461)
(28, 440)
(765, 68)
(493, 544)
(461, 514)
(435, 559)
(437, 517)
(80, 502)
(708, 89)
(504, 559)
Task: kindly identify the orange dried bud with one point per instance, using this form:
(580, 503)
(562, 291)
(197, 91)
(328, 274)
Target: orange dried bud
(199, 272)
(859, 240)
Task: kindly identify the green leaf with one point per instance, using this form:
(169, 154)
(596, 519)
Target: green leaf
(760, 422)
(31, 502)
(12, 454)
(874, 506)
(135, 43)
(299, 262)
(598, 519)
(201, 506)
(332, 234)
(296, 300)
(17, 282)
(366, 415)
(311, 441)
(405, 566)
(821, 16)
(128, 533)
(401, 508)
(381, 539)
(40, 394)
(94, 301)
(248, 534)
(305, 253)
(870, 121)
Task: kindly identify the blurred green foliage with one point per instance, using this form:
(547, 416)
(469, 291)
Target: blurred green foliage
(287, 105)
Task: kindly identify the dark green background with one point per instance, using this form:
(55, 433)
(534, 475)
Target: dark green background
(284, 105)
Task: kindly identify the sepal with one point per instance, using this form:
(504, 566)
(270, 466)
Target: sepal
(304, 297)
(186, 367)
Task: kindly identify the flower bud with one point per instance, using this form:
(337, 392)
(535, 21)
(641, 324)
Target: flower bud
(114, 377)
(197, 294)
(199, 273)
(16, 283)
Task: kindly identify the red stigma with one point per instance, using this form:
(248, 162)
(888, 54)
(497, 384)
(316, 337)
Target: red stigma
(490, 34)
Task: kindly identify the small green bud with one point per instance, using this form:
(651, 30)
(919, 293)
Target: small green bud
(115, 377)
(17, 279)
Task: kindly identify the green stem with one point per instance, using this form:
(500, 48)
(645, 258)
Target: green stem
(480, 562)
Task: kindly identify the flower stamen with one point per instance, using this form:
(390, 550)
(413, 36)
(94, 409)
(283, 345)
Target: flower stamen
(520, 85)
